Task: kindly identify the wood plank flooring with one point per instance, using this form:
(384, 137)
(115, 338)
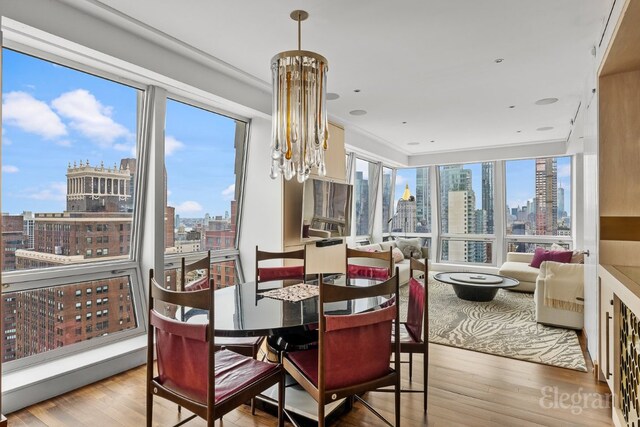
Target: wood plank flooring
(465, 389)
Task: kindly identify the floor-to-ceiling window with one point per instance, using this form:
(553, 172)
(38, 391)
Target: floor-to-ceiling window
(68, 201)
(364, 198)
(203, 181)
(412, 207)
(466, 207)
(538, 196)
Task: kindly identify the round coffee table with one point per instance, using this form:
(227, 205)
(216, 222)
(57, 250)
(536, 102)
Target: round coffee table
(476, 286)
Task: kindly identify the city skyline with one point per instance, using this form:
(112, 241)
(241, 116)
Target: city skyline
(519, 176)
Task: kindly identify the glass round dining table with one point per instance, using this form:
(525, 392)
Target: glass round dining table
(243, 311)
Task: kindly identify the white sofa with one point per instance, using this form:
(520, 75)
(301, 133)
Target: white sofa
(536, 279)
(562, 275)
(403, 266)
(517, 266)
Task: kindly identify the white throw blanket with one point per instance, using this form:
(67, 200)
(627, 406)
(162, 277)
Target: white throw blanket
(563, 285)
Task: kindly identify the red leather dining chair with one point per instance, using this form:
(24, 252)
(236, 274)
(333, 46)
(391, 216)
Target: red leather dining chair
(354, 351)
(247, 346)
(384, 259)
(190, 372)
(411, 331)
(291, 341)
(265, 274)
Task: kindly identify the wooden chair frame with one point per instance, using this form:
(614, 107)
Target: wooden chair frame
(204, 300)
(332, 293)
(300, 254)
(385, 256)
(246, 346)
(421, 346)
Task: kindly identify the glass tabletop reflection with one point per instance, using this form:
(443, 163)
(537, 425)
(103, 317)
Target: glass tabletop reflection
(242, 311)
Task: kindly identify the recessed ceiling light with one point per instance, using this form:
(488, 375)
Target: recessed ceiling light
(498, 60)
(518, 131)
(404, 123)
(543, 128)
(432, 140)
(546, 101)
(512, 106)
(357, 112)
(413, 143)
(356, 90)
(331, 96)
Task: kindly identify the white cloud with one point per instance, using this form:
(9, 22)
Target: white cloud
(5, 139)
(89, 117)
(10, 169)
(31, 115)
(171, 144)
(229, 193)
(400, 180)
(54, 191)
(189, 207)
(564, 171)
(63, 143)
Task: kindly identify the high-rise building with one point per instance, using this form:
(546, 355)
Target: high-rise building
(98, 188)
(546, 197)
(561, 212)
(96, 225)
(386, 201)
(452, 178)
(13, 239)
(423, 200)
(362, 204)
(487, 196)
(405, 217)
(29, 229)
(461, 206)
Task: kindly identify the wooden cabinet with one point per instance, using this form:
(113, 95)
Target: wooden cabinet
(605, 327)
(619, 214)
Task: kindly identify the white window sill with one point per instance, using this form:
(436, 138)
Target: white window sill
(29, 385)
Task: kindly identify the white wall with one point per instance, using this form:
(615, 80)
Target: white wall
(262, 208)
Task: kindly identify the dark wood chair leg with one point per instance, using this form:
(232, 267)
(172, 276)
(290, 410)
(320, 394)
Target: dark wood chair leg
(149, 407)
(281, 400)
(397, 395)
(425, 380)
(410, 366)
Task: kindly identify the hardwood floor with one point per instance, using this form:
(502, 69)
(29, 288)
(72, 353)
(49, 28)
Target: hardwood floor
(465, 388)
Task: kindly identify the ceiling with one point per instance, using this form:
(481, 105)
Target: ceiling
(425, 69)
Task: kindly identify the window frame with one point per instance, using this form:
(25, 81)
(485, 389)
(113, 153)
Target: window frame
(482, 237)
(28, 280)
(173, 260)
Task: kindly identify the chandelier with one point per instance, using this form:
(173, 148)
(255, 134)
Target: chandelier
(300, 128)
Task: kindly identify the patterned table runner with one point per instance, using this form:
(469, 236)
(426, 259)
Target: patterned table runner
(293, 293)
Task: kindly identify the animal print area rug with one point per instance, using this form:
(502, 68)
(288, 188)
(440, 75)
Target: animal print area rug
(505, 327)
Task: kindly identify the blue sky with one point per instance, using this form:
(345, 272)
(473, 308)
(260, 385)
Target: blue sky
(53, 115)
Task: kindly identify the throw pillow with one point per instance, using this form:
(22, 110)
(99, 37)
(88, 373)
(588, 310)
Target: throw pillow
(398, 256)
(412, 252)
(403, 243)
(576, 258)
(542, 254)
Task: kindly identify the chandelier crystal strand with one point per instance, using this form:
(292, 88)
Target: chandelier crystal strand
(300, 132)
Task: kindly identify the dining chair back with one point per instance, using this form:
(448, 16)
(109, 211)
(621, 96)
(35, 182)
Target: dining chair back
(354, 351)
(189, 370)
(414, 332)
(265, 274)
(370, 264)
(193, 281)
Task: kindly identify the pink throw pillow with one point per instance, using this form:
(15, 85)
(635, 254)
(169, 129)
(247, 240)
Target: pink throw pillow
(542, 254)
